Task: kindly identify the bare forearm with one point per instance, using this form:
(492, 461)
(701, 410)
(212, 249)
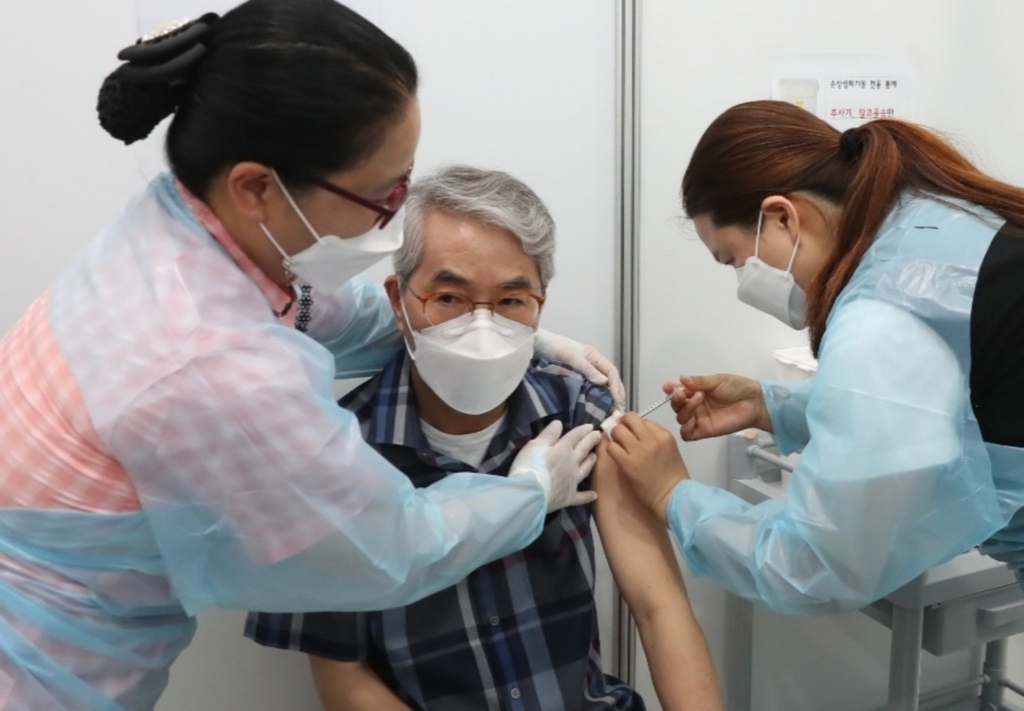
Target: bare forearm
(677, 653)
(644, 565)
(351, 686)
(639, 551)
(680, 663)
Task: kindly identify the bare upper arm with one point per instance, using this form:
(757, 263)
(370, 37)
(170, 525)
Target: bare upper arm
(637, 544)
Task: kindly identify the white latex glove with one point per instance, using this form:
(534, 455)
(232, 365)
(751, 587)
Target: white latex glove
(560, 464)
(586, 359)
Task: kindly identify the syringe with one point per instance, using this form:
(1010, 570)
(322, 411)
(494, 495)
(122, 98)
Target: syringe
(655, 406)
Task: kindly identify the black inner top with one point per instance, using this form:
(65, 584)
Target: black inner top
(997, 340)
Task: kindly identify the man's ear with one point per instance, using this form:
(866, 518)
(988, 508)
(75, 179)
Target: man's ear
(394, 291)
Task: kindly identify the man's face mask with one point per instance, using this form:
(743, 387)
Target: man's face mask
(473, 362)
(770, 289)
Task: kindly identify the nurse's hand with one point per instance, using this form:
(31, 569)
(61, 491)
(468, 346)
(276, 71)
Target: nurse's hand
(647, 455)
(594, 366)
(715, 405)
(560, 463)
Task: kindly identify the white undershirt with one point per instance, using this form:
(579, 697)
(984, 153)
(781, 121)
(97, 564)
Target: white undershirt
(469, 448)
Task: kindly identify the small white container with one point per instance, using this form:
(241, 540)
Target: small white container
(793, 364)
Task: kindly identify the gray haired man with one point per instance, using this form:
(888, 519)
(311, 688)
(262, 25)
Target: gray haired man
(468, 293)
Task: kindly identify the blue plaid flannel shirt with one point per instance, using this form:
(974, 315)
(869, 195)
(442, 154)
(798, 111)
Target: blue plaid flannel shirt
(518, 634)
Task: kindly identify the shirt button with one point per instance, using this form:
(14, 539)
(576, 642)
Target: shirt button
(514, 693)
(494, 620)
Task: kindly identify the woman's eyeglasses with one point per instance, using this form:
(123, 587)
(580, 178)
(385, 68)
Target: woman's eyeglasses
(386, 210)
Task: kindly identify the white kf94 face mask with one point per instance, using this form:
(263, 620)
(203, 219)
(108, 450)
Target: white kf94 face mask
(770, 289)
(473, 362)
(331, 261)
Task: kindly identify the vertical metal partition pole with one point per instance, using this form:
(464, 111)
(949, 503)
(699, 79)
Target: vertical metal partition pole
(995, 673)
(627, 160)
(905, 658)
(739, 654)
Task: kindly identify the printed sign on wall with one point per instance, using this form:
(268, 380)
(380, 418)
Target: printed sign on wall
(846, 89)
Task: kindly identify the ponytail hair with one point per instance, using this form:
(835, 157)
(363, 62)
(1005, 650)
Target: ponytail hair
(764, 148)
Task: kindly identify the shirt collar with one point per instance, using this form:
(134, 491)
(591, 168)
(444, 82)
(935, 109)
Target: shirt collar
(394, 418)
(281, 300)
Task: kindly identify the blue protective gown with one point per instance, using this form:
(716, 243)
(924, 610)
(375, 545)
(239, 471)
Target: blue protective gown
(894, 476)
(252, 488)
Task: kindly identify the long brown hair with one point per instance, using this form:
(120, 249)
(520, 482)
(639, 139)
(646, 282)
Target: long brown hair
(764, 148)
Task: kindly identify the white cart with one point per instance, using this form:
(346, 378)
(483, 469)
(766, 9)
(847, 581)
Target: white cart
(971, 601)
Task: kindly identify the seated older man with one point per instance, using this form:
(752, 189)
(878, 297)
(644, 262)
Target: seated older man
(521, 632)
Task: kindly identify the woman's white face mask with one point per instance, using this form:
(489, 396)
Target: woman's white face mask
(473, 362)
(331, 261)
(772, 290)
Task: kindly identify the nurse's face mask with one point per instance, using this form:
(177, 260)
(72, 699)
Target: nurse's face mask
(332, 260)
(474, 354)
(770, 289)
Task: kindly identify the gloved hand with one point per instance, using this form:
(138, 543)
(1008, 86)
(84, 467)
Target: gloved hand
(586, 359)
(560, 464)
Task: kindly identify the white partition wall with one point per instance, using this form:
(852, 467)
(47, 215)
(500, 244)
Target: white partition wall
(697, 59)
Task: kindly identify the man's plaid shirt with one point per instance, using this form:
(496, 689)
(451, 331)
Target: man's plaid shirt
(520, 633)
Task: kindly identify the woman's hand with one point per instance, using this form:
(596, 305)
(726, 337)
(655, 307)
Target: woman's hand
(586, 359)
(647, 455)
(620, 513)
(714, 405)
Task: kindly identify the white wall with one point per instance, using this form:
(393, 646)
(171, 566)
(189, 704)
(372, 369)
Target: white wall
(61, 176)
(699, 58)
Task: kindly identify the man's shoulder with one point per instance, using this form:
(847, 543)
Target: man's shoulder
(358, 397)
(378, 391)
(565, 389)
